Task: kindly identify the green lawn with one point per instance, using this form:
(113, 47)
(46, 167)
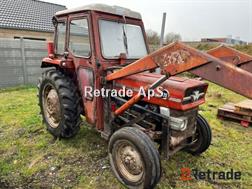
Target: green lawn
(31, 158)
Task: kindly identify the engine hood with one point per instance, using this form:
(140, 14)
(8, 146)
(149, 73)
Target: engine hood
(184, 93)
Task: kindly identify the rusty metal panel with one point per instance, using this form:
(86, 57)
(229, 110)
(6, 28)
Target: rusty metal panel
(247, 66)
(231, 71)
(178, 57)
(226, 75)
(232, 56)
(86, 78)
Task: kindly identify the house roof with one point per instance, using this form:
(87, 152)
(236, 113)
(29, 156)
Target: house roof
(31, 15)
(103, 8)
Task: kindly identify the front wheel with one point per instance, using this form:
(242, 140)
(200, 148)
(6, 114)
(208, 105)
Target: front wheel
(134, 159)
(202, 139)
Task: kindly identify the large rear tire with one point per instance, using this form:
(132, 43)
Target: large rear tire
(134, 158)
(59, 102)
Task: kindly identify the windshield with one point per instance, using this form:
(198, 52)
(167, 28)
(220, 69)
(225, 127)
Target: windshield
(117, 38)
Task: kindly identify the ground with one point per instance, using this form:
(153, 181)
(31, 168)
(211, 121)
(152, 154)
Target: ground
(31, 158)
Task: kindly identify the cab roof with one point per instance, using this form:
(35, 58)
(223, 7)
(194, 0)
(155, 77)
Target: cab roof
(116, 10)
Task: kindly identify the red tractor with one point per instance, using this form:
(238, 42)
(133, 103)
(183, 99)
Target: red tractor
(99, 48)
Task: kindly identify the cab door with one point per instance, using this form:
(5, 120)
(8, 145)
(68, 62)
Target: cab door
(80, 49)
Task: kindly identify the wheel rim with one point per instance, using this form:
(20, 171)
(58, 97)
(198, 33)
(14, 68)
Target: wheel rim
(51, 106)
(129, 161)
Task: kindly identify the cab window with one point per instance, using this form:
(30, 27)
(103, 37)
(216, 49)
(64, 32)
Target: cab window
(79, 43)
(61, 36)
(117, 38)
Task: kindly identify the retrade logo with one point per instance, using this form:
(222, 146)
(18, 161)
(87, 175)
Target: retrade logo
(187, 174)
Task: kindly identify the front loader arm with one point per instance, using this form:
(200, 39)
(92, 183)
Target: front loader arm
(233, 56)
(177, 58)
(233, 72)
(171, 59)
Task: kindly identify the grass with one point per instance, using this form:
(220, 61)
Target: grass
(31, 158)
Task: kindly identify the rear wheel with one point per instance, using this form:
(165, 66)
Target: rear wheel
(202, 138)
(59, 103)
(134, 159)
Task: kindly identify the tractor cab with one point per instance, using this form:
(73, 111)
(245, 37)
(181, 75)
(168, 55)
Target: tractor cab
(92, 39)
(100, 33)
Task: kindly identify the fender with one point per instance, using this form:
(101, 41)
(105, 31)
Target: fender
(63, 63)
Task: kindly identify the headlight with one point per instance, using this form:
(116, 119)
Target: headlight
(178, 123)
(165, 111)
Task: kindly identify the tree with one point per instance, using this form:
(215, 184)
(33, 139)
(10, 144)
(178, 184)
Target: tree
(152, 37)
(172, 37)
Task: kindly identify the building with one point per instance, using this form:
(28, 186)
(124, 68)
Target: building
(31, 19)
(227, 40)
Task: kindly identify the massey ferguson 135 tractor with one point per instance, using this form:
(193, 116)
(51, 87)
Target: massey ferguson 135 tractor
(104, 47)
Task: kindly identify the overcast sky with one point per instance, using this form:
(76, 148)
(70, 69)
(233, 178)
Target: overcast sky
(192, 19)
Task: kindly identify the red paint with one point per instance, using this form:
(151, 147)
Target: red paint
(50, 49)
(245, 124)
